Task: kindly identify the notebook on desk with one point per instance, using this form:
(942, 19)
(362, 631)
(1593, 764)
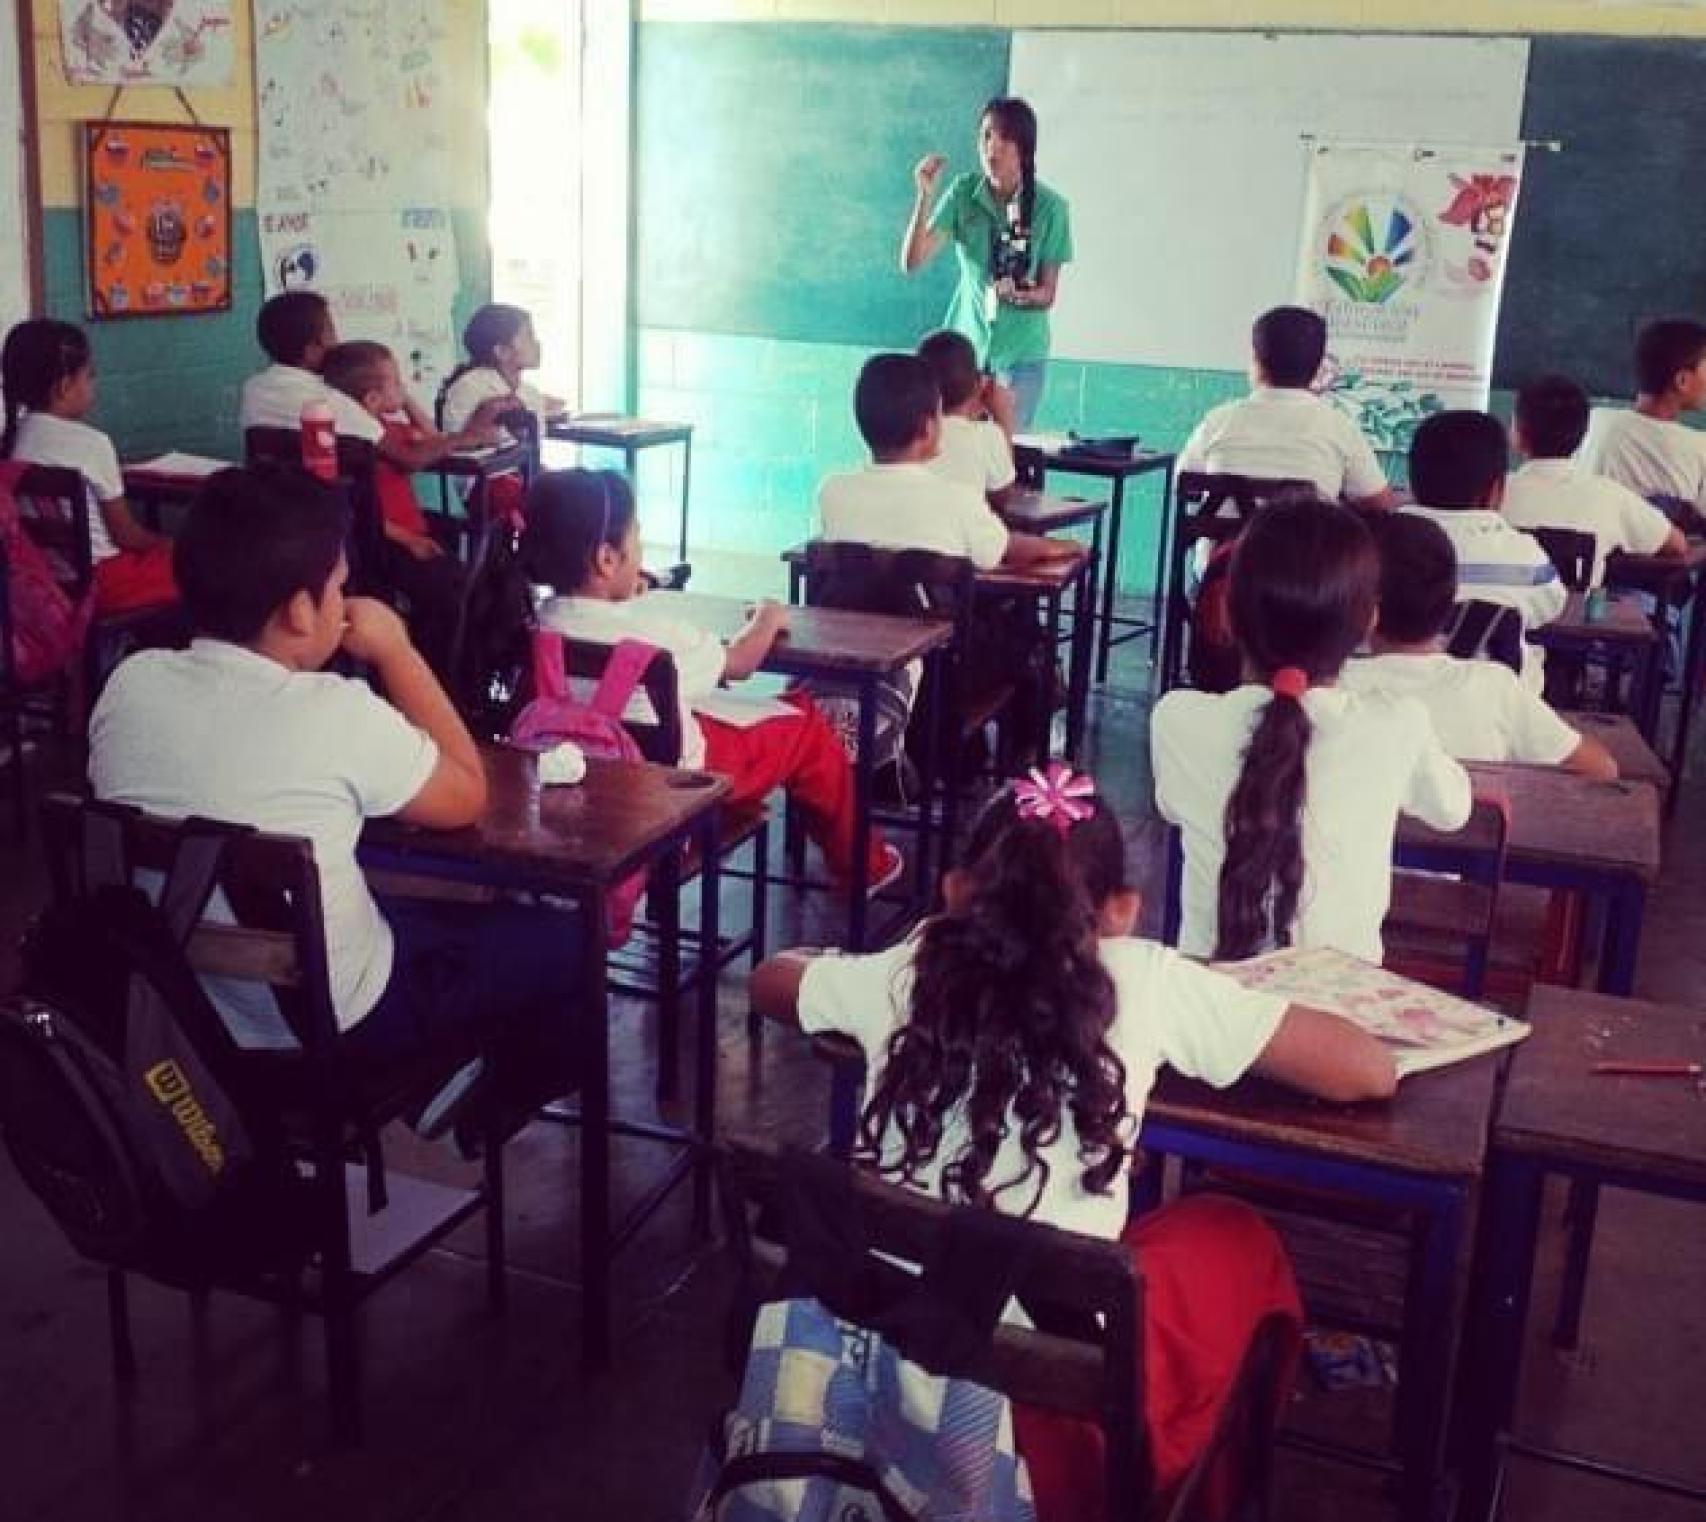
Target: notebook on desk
(175, 463)
(1424, 1027)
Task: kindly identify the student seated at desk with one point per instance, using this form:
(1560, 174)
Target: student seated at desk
(297, 332)
(414, 562)
(1283, 431)
(48, 376)
(502, 347)
(1554, 491)
(583, 542)
(1648, 448)
(1010, 1046)
(1287, 790)
(1457, 471)
(1480, 709)
(976, 445)
(246, 726)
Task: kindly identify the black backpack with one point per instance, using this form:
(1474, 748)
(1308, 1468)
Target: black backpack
(120, 1099)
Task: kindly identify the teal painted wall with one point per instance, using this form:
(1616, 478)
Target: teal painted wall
(172, 382)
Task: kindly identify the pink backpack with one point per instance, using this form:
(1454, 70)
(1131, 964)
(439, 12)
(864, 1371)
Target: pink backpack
(48, 629)
(555, 714)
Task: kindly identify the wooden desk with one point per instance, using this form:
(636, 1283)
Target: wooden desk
(1598, 838)
(857, 650)
(148, 491)
(1623, 638)
(581, 841)
(1422, 1153)
(1041, 455)
(1035, 512)
(630, 435)
(1675, 584)
(1636, 760)
(1556, 1116)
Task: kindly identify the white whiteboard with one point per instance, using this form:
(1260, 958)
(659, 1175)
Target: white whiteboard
(1181, 155)
(14, 228)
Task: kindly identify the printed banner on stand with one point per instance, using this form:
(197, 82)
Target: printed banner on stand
(1404, 255)
(354, 169)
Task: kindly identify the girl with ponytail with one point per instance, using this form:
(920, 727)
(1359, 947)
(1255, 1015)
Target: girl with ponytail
(1288, 789)
(1011, 1043)
(1011, 234)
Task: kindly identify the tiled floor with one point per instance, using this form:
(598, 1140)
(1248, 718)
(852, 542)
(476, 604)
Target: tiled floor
(476, 1420)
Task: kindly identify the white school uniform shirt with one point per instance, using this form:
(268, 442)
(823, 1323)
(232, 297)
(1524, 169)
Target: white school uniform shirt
(44, 439)
(700, 657)
(1498, 562)
(274, 398)
(1561, 494)
(910, 507)
(1480, 709)
(1166, 1011)
(1370, 758)
(482, 384)
(221, 731)
(976, 452)
(1650, 456)
(1286, 433)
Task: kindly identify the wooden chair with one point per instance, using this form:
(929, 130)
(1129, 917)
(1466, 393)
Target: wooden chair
(326, 1108)
(14, 705)
(914, 584)
(1439, 928)
(1082, 1356)
(657, 970)
(1214, 509)
(53, 510)
(1572, 552)
(356, 461)
(1485, 631)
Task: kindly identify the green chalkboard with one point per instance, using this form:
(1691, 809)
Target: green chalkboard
(774, 173)
(1612, 230)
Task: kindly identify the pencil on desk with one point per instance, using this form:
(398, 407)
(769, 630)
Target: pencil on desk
(1650, 1069)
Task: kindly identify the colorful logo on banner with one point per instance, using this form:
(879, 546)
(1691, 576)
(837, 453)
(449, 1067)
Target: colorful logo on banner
(1375, 245)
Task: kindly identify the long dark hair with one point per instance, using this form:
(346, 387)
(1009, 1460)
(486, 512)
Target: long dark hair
(490, 326)
(570, 514)
(1303, 585)
(1017, 122)
(1011, 1008)
(38, 355)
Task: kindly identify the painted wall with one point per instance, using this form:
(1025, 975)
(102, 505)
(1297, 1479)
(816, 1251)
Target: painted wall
(171, 382)
(773, 415)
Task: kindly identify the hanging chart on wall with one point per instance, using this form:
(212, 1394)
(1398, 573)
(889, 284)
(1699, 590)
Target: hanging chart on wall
(146, 42)
(354, 164)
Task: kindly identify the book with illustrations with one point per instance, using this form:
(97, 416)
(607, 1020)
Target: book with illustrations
(1425, 1027)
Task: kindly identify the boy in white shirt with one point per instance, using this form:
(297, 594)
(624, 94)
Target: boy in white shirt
(898, 502)
(1457, 471)
(297, 332)
(1554, 491)
(977, 419)
(1283, 431)
(246, 726)
(1480, 709)
(1649, 449)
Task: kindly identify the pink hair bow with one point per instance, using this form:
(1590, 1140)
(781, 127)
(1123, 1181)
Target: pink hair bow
(1056, 796)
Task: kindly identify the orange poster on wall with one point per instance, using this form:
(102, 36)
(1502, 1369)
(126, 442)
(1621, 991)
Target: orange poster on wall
(157, 205)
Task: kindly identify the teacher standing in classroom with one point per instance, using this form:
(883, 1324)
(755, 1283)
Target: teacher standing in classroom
(1011, 234)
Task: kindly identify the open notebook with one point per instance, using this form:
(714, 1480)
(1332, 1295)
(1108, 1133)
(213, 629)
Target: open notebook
(1424, 1027)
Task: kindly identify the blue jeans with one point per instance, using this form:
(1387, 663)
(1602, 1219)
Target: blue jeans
(1026, 382)
(508, 970)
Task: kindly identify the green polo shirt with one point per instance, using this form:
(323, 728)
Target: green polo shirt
(970, 214)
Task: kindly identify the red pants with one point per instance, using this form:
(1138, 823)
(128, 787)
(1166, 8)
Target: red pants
(803, 757)
(1212, 1269)
(135, 579)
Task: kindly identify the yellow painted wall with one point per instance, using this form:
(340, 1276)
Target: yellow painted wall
(1501, 16)
(60, 107)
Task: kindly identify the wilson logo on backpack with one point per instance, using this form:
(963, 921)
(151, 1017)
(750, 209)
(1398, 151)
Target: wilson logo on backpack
(166, 1082)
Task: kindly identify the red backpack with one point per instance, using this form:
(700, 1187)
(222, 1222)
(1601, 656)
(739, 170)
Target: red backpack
(555, 714)
(48, 629)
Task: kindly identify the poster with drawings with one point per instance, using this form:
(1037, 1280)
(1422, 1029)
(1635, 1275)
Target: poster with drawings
(354, 170)
(146, 42)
